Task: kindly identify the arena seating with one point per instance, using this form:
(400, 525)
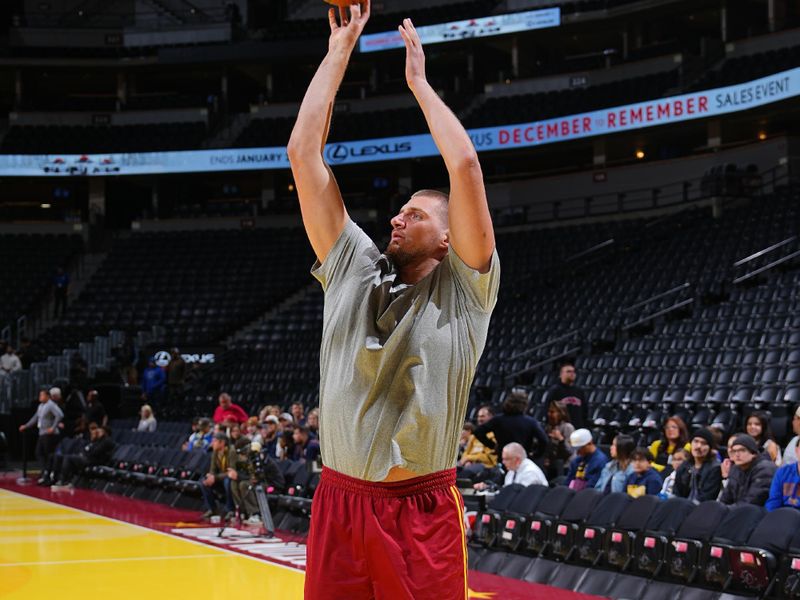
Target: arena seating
(32, 261)
(645, 548)
(200, 286)
(79, 139)
(745, 68)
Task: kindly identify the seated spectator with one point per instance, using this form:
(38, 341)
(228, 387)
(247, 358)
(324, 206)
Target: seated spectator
(615, 472)
(97, 452)
(228, 412)
(200, 439)
(700, 478)
(268, 436)
(255, 468)
(586, 467)
(750, 475)
(674, 435)
(286, 421)
(147, 420)
(269, 409)
(785, 487)
(519, 468)
(285, 447)
(9, 362)
(644, 480)
(237, 438)
(679, 457)
(514, 426)
(475, 453)
(558, 429)
(154, 382)
(790, 454)
(217, 480)
(298, 413)
(251, 428)
(312, 421)
(95, 411)
(306, 447)
(758, 428)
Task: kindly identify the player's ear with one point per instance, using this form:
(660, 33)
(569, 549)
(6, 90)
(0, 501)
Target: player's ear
(445, 243)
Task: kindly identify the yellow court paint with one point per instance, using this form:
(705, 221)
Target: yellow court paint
(51, 551)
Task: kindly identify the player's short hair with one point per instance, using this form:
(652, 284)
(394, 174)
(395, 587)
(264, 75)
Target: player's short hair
(444, 200)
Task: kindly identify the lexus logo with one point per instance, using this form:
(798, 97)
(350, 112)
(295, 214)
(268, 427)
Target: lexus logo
(162, 358)
(337, 153)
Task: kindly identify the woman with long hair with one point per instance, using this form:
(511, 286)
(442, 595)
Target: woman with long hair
(558, 429)
(757, 427)
(616, 471)
(674, 435)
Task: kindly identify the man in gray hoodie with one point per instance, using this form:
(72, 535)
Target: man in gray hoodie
(48, 416)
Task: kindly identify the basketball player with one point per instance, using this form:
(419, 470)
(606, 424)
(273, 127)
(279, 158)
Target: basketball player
(402, 335)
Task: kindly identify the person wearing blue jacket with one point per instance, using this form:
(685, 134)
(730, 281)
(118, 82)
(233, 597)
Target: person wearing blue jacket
(644, 480)
(785, 488)
(586, 467)
(154, 381)
(616, 471)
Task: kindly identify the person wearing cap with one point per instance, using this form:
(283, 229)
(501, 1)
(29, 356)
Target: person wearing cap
(201, 438)
(47, 418)
(219, 478)
(228, 412)
(586, 467)
(700, 479)
(285, 420)
(270, 430)
(785, 487)
(790, 454)
(750, 475)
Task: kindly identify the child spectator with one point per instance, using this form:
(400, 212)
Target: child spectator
(644, 480)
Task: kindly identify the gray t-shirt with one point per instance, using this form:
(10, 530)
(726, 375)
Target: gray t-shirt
(397, 361)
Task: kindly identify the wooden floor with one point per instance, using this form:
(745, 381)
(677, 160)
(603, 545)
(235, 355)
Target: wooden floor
(50, 551)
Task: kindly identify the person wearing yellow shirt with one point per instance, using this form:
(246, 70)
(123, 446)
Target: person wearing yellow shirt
(675, 435)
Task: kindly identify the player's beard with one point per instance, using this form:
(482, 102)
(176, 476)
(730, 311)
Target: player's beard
(401, 257)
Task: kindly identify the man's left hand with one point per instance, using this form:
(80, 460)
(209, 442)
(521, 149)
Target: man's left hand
(415, 56)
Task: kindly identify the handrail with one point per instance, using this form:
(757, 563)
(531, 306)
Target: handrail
(543, 345)
(677, 288)
(771, 265)
(510, 378)
(600, 246)
(659, 313)
(764, 251)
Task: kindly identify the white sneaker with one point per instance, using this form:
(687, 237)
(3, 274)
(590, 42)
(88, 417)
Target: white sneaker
(253, 520)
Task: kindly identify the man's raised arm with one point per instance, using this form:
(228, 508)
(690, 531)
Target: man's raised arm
(471, 232)
(321, 205)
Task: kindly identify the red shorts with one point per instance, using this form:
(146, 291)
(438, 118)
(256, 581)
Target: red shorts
(387, 541)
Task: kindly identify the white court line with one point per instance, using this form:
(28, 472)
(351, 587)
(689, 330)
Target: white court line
(156, 531)
(108, 560)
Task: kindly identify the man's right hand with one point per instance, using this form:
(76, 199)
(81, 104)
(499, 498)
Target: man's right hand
(208, 481)
(345, 31)
(22, 427)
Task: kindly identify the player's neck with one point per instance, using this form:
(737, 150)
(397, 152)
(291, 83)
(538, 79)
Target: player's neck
(413, 273)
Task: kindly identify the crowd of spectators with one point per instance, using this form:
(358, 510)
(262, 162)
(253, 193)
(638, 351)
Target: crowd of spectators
(748, 469)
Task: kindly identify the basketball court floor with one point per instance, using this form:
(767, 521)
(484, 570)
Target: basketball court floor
(84, 544)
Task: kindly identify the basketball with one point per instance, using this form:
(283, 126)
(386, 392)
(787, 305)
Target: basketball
(341, 3)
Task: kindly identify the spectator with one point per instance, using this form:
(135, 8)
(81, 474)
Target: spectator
(644, 480)
(74, 409)
(475, 452)
(147, 420)
(218, 480)
(269, 436)
(237, 439)
(228, 412)
(312, 421)
(97, 452)
(268, 410)
(785, 487)
(285, 446)
(60, 292)
(26, 353)
(256, 469)
(298, 413)
(95, 411)
(9, 362)
(758, 428)
(700, 478)
(306, 447)
(176, 374)
(252, 428)
(286, 421)
(674, 435)
(200, 439)
(750, 475)
(571, 396)
(514, 426)
(154, 380)
(680, 456)
(519, 468)
(790, 454)
(558, 429)
(47, 418)
(586, 467)
(615, 472)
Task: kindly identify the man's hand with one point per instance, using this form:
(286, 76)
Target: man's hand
(345, 31)
(22, 427)
(209, 480)
(725, 468)
(233, 475)
(415, 57)
(50, 431)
